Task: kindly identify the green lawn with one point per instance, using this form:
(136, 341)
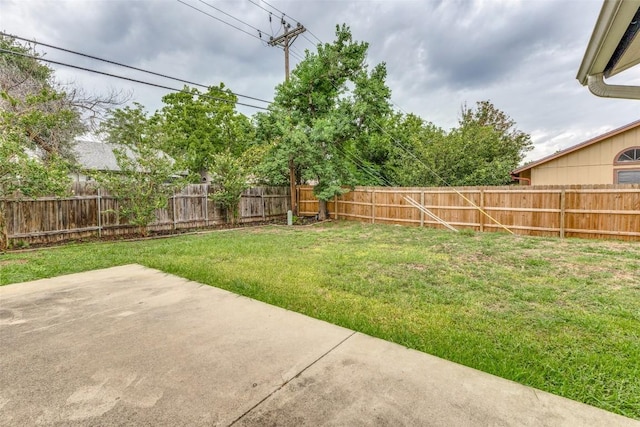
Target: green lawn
(562, 316)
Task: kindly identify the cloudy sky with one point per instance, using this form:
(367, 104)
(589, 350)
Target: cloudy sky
(523, 55)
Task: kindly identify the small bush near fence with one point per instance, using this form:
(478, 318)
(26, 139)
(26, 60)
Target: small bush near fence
(92, 212)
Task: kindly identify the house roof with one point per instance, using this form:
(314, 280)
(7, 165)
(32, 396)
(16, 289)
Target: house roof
(614, 45)
(96, 156)
(578, 146)
(99, 156)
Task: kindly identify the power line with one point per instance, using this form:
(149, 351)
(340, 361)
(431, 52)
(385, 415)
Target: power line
(317, 38)
(276, 9)
(128, 78)
(218, 19)
(304, 36)
(296, 54)
(233, 17)
(299, 57)
(260, 6)
(125, 66)
(363, 165)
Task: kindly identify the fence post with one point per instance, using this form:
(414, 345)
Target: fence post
(373, 207)
(99, 201)
(421, 211)
(335, 205)
(264, 207)
(480, 212)
(206, 205)
(173, 198)
(562, 212)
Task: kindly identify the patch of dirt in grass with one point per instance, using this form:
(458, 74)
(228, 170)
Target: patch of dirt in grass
(497, 307)
(13, 261)
(619, 278)
(416, 267)
(280, 226)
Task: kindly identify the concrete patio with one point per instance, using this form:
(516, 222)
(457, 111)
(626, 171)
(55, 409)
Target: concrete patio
(134, 346)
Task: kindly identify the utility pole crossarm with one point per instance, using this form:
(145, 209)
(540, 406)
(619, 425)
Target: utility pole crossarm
(288, 36)
(285, 40)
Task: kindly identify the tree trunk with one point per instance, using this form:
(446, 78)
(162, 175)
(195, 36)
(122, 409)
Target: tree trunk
(323, 214)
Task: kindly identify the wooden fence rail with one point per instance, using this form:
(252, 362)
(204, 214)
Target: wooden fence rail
(92, 212)
(595, 211)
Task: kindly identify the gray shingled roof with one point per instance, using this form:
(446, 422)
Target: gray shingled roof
(97, 156)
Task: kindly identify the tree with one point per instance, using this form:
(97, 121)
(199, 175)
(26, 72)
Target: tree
(229, 180)
(22, 174)
(483, 150)
(199, 125)
(485, 147)
(39, 120)
(36, 125)
(46, 114)
(413, 146)
(35, 109)
(147, 176)
(330, 106)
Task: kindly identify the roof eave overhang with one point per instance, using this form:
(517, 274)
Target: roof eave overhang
(614, 44)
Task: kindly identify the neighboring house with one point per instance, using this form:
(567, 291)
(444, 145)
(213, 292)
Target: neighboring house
(99, 157)
(94, 157)
(611, 158)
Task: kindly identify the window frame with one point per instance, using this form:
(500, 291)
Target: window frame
(616, 160)
(616, 171)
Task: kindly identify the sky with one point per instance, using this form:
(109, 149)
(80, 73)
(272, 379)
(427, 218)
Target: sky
(522, 55)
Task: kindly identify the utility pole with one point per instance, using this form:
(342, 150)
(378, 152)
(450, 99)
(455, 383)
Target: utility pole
(285, 40)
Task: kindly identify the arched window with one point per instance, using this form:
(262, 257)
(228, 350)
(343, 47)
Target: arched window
(629, 155)
(626, 174)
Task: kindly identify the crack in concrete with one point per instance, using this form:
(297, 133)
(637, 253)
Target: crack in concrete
(291, 379)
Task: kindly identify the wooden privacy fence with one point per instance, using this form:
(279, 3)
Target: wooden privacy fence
(594, 211)
(92, 212)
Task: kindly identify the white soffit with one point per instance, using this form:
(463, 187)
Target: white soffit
(615, 42)
(630, 57)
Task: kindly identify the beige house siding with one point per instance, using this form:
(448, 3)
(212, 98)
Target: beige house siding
(592, 164)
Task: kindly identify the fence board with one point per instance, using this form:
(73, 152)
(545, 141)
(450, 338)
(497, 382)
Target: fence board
(589, 211)
(93, 213)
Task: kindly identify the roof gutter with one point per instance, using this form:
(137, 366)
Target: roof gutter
(601, 45)
(615, 36)
(598, 87)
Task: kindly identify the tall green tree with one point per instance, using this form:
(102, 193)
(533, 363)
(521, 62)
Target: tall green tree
(482, 150)
(147, 176)
(412, 147)
(330, 106)
(199, 125)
